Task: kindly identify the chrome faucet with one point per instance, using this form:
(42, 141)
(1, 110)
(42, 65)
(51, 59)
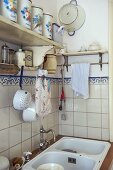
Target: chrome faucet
(43, 142)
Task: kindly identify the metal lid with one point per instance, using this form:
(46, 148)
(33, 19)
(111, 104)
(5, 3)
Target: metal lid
(68, 14)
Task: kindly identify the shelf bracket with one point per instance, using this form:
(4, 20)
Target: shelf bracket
(66, 61)
(100, 60)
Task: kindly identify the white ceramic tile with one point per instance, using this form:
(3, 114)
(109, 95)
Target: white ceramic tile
(56, 118)
(4, 140)
(80, 119)
(105, 134)
(105, 106)
(15, 135)
(55, 106)
(80, 131)
(15, 116)
(16, 151)
(4, 96)
(60, 129)
(95, 91)
(95, 71)
(5, 153)
(50, 121)
(69, 118)
(26, 131)
(4, 118)
(35, 127)
(69, 104)
(94, 105)
(12, 91)
(105, 121)
(26, 145)
(105, 91)
(56, 130)
(80, 105)
(67, 130)
(35, 142)
(94, 120)
(94, 133)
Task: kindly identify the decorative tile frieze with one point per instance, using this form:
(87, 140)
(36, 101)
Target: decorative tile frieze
(14, 80)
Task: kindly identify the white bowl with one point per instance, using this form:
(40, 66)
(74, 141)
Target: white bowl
(50, 166)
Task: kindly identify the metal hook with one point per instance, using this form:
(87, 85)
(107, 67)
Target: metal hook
(71, 33)
(75, 1)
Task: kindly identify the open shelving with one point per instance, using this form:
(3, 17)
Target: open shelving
(17, 34)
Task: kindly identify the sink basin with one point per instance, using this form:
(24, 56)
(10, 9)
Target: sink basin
(72, 154)
(50, 166)
(83, 146)
(68, 161)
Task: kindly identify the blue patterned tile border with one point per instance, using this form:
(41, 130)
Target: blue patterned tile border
(92, 80)
(14, 80)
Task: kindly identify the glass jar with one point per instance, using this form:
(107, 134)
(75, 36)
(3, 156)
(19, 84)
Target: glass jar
(5, 53)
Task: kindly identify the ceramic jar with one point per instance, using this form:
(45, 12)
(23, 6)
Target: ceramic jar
(50, 64)
(8, 9)
(24, 13)
(37, 19)
(47, 25)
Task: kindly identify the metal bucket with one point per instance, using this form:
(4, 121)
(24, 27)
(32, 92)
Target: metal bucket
(9, 9)
(37, 19)
(47, 26)
(24, 13)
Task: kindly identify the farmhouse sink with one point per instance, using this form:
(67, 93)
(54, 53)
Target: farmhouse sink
(72, 154)
(67, 160)
(83, 146)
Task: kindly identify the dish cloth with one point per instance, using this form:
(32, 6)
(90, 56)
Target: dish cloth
(42, 95)
(80, 79)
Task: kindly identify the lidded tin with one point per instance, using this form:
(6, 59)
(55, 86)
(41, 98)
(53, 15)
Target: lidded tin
(37, 19)
(24, 13)
(9, 9)
(47, 25)
(50, 64)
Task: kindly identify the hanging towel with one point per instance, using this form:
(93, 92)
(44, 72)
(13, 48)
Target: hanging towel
(42, 95)
(80, 79)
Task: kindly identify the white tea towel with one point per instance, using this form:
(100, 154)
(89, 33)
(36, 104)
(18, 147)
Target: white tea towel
(80, 79)
(42, 96)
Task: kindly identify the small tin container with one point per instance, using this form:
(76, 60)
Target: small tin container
(37, 19)
(28, 58)
(9, 9)
(47, 25)
(24, 13)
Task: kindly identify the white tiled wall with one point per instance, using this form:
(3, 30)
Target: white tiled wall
(87, 118)
(17, 136)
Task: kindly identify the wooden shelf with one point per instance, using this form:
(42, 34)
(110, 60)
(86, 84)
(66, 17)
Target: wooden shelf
(30, 68)
(17, 34)
(9, 69)
(82, 53)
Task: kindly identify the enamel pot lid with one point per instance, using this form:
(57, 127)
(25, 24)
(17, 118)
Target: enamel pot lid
(68, 13)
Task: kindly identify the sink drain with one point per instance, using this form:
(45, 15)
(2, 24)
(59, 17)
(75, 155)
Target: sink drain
(69, 150)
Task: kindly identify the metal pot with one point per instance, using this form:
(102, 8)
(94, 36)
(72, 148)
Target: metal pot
(72, 17)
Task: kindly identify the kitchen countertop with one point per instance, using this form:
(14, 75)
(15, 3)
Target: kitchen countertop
(105, 165)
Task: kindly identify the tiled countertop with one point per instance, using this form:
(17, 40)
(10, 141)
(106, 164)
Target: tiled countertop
(107, 161)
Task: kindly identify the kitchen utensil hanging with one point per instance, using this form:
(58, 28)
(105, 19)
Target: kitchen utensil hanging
(72, 17)
(22, 98)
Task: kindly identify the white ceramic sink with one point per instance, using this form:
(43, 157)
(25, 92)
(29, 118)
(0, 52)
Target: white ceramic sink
(83, 146)
(68, 161)
(72, 154)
